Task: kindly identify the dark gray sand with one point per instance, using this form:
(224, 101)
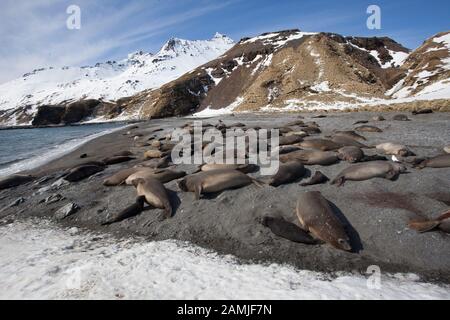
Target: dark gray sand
(378, 210)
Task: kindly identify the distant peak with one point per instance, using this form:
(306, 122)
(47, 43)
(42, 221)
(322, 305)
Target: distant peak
(222, 37)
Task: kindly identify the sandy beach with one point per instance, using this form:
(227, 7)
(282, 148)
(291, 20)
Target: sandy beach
(377, 210)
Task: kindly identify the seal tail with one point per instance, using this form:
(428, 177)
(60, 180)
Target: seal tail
(423, 226)
(339, 181)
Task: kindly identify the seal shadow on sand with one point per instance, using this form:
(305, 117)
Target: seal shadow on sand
(355, 239)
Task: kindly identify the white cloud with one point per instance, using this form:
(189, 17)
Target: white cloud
(34, 34)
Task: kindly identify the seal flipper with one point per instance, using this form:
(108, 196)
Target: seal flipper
(339, 181)
(287, 230)
(423, 226)
(198, 191)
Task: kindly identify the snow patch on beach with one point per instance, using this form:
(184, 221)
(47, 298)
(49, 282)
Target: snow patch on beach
(39, 260)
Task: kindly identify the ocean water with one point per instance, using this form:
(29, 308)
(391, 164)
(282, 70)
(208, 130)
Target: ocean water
(22, 149)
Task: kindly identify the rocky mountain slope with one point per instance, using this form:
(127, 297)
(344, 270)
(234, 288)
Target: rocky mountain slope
(288, 70)
(293, 70)
(54, 89)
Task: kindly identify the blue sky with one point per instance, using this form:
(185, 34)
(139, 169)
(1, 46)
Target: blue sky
(33, 33)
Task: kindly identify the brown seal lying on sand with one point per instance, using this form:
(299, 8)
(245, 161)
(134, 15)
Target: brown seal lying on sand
(119, 177)
(244, 168)
(287, 172)
(215, 181)
(311, 157)
(350, 154)
(369, 170)
(395, 149)
(350, 134)
(317, 217)
(14, 181)
(320, 144)
(368, 129)
(441, 161)
(79, 173)
(155, 194)
(162, 175)
(117, 159)
(317, 178)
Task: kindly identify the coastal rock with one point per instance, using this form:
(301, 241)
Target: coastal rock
(52, 198)
(67, 210)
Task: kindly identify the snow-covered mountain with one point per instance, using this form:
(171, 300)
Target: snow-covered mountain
(107, 81)
(292, 70)
(427, 71)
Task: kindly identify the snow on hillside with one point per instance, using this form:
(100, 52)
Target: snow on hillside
(423, 87)
(39, 260)
(112, 80)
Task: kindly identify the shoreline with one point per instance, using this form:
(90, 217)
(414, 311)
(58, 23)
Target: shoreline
(228, 224)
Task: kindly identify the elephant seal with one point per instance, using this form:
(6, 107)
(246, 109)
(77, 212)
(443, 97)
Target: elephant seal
(155, 194)
(287, 230)
(447, 149)
(119, 177)
(350, 154)
(244, 168)
(390, 148)
(311, 130)
(297, 133)
(287, 149)
(378, 118)
(346, 141)
(316, 216)
(162, 175)
(441, 223)
(214, 181)
(295, 123)
(367, 128)
(128, 212)
(320, 144)
(14, 180)
(369, 170)
(400, 117)
(150, 154)
(311, 157)
(126, 153)
(288, 172)
(156, 163)
(422, 111)
(79, 173)
(288, 140)
(317, 178)
(350, 134)
(117, 159)
(441, 161)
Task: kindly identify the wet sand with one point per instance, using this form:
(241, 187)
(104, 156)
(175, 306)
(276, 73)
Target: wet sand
(377, 210)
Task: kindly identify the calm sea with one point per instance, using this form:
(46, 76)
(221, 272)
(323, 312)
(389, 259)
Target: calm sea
(22, 149)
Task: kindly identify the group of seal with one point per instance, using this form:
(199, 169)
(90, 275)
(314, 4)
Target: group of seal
(315, 221)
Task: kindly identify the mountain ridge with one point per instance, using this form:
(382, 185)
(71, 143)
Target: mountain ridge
(287, 70)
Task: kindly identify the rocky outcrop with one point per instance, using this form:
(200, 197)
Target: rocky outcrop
(277, 69)
(71, 113)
